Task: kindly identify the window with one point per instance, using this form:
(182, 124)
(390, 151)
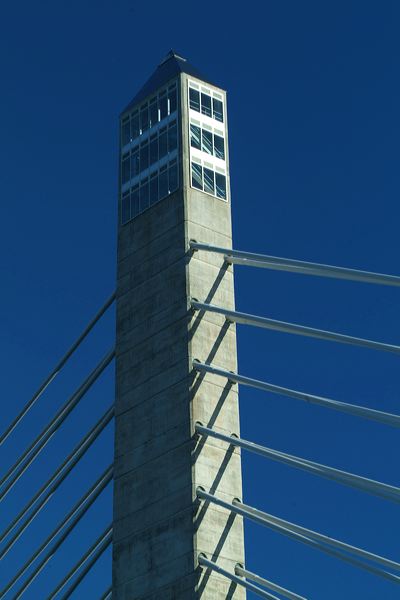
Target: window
(144, 156)
(153, 149)
(220, 184)
(163, 184)
(194, 99)
(207, 141)
(144, 195)
(195, 137)
(126, 171)
(172, 99)
(173, 176)
(153, 109)
(163, 105)
(219, 147)
(135, 162)
(135, 125)
(162, 143)
(126, 208)
(206, 104)
(218, 110)
(144, 118)
(126, 132)
(197, 176)
(135, 204)
(209, 181)
(172, 137)
(153, 188)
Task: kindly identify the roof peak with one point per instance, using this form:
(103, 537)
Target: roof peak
(172, 54)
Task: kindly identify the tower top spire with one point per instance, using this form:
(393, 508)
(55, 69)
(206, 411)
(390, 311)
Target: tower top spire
(171, 66)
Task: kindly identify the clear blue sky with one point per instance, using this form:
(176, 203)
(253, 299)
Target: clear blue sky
(314, 100)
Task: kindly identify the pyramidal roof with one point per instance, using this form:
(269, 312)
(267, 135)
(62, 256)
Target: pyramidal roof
(170, 67)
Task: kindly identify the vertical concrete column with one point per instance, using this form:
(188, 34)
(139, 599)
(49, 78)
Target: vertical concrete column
(159, 526)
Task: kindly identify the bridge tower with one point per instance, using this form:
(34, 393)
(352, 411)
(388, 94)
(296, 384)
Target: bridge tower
(174, 187)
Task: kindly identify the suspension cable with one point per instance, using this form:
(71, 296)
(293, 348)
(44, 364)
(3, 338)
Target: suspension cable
(29, 455)
(266, 323)
(252, 259)
(204, 562)
(55, 371)
(383, 490)
(306, 536)
(73, 517)
(107, 594)
(242, 572)
(90, 557)
(352, 409)
(54, 482)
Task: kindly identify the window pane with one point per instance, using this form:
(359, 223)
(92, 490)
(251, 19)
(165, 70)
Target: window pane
(126, 171)
(126, 208)
(144, 156)
(195, 133)
(206, 104)
(163, 184)
(135, 208)
(163, 104)
(162, 143)
(220, 182)
(209, 181)
(153, 149)
(144, 118)
(144, 196)
(173, 177)
(197, 176)
(126, 133)
(219, 147)
(172, 100)
(194, 99)
(135, 125)
(153, 189)
(135, 163)
(153, 112)
(218, 110)
(172, 137)
(207, 142)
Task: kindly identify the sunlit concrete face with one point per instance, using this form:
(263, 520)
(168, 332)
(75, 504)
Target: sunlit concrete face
(159, 525)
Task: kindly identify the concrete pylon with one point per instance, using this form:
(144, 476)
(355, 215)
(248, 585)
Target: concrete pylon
(159, 526)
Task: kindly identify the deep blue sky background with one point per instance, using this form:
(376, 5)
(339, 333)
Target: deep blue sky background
(314, 124)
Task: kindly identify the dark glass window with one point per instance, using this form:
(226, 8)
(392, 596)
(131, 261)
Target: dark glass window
(197, 176)
(135, 125)
(209, 181)
(206, 104)
(172, 99)
(135, 206)
(162, 143)
(172, 137)
(207, 141)
(153, 189)
(220, 183)
(195, 139)
(144, 156)
(194, 99)
(126, 208)
(163, 104)
(135, 163)
(144, 118)
(153, 109)
(126, 132)
(218, 110)
(153, 149)
(219, 147)
(163, 190)
(126, 171)
(144, 195)
(173, 176)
